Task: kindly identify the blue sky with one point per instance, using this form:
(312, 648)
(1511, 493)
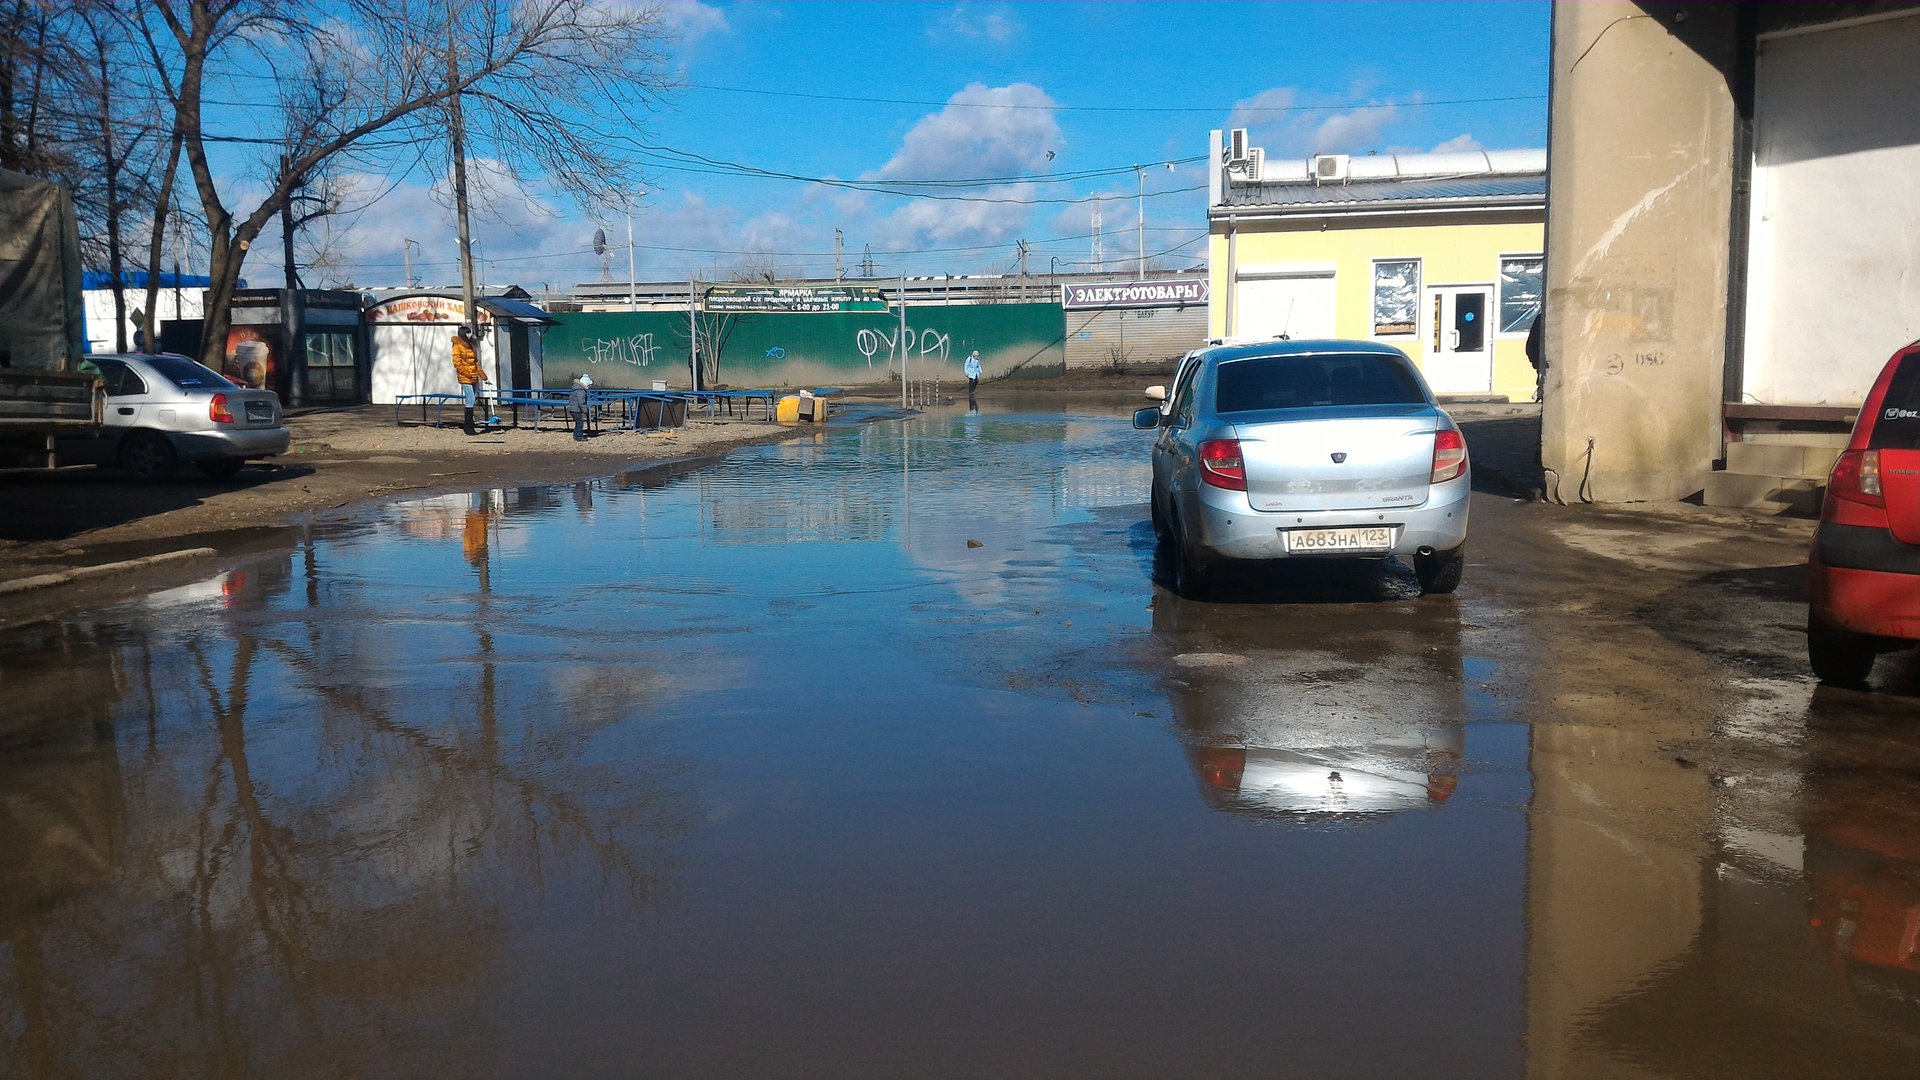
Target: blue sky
(925, 91)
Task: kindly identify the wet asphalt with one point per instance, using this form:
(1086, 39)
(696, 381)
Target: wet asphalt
(884, 754)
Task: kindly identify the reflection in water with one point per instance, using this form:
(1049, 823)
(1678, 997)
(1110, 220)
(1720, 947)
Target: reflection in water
(1277, 723)
(334, 834)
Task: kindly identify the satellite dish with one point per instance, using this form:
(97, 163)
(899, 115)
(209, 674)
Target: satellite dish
(599, 241)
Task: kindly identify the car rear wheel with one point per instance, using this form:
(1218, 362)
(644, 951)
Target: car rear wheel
(1439, 573)
(1192, 570)
(148, 457)
(224, 468)
(1840, 657)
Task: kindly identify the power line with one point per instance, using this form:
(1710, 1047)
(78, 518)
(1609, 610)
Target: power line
(1201, 109)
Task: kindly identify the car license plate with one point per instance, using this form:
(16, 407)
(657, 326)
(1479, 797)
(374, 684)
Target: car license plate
(259, 410)
(1335, 541)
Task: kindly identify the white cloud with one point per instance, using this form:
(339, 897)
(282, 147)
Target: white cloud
(983, 131)
(1458, 143)
(980, 22)
(691, 20)
(1354, 132)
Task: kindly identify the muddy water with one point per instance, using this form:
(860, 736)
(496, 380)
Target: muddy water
(879, 754)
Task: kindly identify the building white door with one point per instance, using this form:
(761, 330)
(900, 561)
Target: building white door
(1299, 305)
(1835, 232)
(1459, 341)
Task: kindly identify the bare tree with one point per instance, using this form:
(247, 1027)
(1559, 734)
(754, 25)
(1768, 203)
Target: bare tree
(369, 82)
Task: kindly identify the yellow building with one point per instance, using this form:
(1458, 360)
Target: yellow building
(1438, 255)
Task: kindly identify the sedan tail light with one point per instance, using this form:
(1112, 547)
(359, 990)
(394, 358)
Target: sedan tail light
(1856, 478)
(218, 411)
(1220, 464)
(1449, 455)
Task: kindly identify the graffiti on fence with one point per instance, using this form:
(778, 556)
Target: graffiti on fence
(636, 349)
(903, 343)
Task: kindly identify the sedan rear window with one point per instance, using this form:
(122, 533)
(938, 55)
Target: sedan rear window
(1295, 382)
(188, 375)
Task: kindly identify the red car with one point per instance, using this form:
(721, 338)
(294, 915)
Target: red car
(1863, 574)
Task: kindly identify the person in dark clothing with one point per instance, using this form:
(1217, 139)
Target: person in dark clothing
(1534, 334)
(577, 406)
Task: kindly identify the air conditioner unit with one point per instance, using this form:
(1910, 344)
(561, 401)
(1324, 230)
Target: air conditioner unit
(1329, 168)
(1256, 164)
(1236, 146)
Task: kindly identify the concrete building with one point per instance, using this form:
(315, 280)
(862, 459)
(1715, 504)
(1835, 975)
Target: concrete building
(1731, 242)
(1438, 255)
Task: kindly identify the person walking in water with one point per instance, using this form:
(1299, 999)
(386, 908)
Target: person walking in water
(972, 369)
(466, 369)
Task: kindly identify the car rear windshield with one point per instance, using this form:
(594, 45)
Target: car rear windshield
(188, 375)
(1898, 425)
(1293, 382)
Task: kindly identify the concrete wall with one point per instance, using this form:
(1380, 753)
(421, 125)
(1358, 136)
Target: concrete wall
(1462, 250)
(1640, 180)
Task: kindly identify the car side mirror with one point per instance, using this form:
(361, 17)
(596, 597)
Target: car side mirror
(1156, 393)
(1147, 418)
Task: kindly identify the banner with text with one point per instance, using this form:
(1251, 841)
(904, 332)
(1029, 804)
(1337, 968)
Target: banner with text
(794, 300)
(1100, 295)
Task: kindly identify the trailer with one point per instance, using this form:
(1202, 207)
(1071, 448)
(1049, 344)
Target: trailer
(46, 392)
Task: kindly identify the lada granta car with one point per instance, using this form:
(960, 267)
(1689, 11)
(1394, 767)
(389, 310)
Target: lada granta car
(163, 409)
(1863, 574)
(1306, 450)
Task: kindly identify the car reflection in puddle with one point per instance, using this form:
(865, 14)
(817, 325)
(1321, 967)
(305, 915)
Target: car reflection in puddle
(1346, 711)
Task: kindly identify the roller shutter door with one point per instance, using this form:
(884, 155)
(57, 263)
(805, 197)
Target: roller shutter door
(1138, 336)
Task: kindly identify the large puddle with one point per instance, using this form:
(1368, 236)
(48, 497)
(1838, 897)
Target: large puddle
(877, 754)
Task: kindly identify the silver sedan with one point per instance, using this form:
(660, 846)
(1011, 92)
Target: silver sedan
(162, 410)
(1306, 449)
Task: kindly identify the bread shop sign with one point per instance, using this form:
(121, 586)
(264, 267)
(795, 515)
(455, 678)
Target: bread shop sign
(1101, 295)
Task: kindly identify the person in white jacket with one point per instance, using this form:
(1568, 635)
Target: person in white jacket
(973, 371)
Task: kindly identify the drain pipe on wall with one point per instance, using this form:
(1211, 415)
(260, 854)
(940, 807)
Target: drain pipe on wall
(1233, 237)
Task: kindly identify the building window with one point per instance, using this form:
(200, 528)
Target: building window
(1522, 281)
(1396, 296)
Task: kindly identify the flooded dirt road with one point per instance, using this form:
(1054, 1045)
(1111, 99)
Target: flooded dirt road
(883, 755)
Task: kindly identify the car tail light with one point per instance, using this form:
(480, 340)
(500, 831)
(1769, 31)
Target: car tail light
(1220, 464)
(218, 410)
(1449, 455)
(1856, 478)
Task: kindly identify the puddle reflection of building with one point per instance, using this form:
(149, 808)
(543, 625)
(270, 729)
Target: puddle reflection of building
(1275, 722)
(1686, 926)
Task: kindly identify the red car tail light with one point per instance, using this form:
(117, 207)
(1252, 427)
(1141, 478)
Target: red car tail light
(218, 412)
(1220, 464)
(1449, 455)
(1856, 478)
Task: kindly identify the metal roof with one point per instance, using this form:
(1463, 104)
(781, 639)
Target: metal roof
(1467, 192)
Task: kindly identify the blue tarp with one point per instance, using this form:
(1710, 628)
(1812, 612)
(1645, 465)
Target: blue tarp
(137, 279)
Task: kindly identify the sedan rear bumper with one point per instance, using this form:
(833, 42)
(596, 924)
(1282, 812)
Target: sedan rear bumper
(1225, 527)
(237, 443)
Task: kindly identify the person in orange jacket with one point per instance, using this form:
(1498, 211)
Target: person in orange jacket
(466, 369)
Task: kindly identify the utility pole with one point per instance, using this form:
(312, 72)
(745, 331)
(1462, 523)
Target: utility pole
(458, 135)
(1141, 172)
(693, 330)
(633, 275)
(903, 341)
(286, 236)
(1023, 259)
(406, 255)
(838, 274)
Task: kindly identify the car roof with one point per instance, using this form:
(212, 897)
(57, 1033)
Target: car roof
(1306, 347)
